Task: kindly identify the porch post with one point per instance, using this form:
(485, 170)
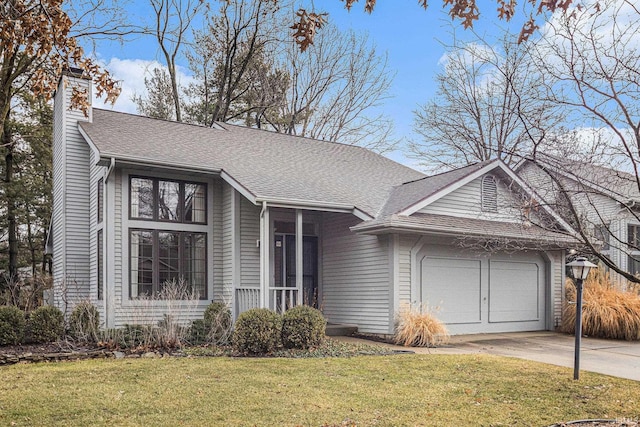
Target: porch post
(299, 252)
(264, 256)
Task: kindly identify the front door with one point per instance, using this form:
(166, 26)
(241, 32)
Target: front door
(284, 260)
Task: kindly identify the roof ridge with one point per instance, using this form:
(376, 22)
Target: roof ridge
(140, 116)
(450, 171)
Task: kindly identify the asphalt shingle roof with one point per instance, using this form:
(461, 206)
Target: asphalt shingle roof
(269, 165)
(409, 193)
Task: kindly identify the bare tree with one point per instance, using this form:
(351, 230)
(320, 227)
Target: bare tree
(488, 105)
(173, 19)
(223, 54)
(590, 66)
(158, 102)
(335, 89)
(247, 71)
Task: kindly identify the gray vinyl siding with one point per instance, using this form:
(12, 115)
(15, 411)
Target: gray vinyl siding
(220, 291)
(466, 202)
(249, 250)
(557, 286)
(356, 278)
(119, 241)
(71, 204)
(407, 242)
(227, 245)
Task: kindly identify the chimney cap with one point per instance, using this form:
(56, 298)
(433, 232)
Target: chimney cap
(75, 72)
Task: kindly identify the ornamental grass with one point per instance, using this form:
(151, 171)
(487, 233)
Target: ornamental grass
(607, 312)
(417, 326)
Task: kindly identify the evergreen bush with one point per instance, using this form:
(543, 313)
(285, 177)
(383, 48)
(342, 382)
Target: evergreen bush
(303, 327)
(257, 331)
(12, 325)
(45, 324)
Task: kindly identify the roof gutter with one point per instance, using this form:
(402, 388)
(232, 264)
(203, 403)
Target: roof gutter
(314, 205)
(389, 228)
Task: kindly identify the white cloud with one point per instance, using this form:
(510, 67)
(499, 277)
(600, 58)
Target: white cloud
(131, 74)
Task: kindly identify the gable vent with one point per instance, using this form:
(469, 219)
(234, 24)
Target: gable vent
(489, 190)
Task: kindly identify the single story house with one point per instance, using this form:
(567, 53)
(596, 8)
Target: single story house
(259, 219)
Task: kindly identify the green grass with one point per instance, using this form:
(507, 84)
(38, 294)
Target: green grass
(421, 390)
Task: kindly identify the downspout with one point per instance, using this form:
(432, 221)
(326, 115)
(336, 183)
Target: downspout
(264, 242)
(108, 237)
(112, 165)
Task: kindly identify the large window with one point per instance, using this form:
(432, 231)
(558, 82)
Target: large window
(168, 200)
(159, 257)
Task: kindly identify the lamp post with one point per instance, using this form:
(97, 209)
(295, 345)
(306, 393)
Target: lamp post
(580, 268)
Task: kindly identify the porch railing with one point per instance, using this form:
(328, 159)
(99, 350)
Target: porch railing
(246, 299)
(282, 299)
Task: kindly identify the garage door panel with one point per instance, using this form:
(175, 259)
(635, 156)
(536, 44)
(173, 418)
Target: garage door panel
(453, 287)
(514, 291)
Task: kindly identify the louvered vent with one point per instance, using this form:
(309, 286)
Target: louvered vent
(489, 194)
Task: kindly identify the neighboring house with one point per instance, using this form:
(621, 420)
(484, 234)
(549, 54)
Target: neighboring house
(260, 219)
(606, 202)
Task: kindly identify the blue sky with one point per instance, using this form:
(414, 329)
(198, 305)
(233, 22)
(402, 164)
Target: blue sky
(412, 38)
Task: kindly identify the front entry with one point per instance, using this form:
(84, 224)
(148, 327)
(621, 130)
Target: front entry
(284, 294)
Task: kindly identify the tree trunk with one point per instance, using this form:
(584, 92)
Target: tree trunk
(11, 202)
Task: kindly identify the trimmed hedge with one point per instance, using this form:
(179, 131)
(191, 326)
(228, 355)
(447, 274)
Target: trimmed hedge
(303, 327)
(257, 331)
(12, 325)
(45, 324)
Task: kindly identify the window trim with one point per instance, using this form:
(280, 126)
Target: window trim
(181, 199)
(155, 269)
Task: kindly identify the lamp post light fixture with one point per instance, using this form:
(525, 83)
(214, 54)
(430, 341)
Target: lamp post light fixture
(580, 268)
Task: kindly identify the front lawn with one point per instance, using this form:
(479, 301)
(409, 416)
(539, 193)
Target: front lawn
(396, 390)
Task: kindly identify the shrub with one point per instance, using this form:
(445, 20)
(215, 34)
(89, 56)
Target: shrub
(84, 322)
(198, 332)
(12, 325)
(217, 321)
(257, 331)
(607, 312)
(45, 324)
(303, 327)
(416, 326)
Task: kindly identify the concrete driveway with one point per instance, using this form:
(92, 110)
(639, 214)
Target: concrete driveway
(616, 358)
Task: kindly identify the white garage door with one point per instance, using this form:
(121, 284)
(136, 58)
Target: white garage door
(502, 293)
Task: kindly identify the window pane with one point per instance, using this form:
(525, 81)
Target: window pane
(195, 262)
(168, 257)
(100, 280)
(633, 265)
(141, 263)
(195, 209)
(142, 198)
(100, 199)
(168, 200)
